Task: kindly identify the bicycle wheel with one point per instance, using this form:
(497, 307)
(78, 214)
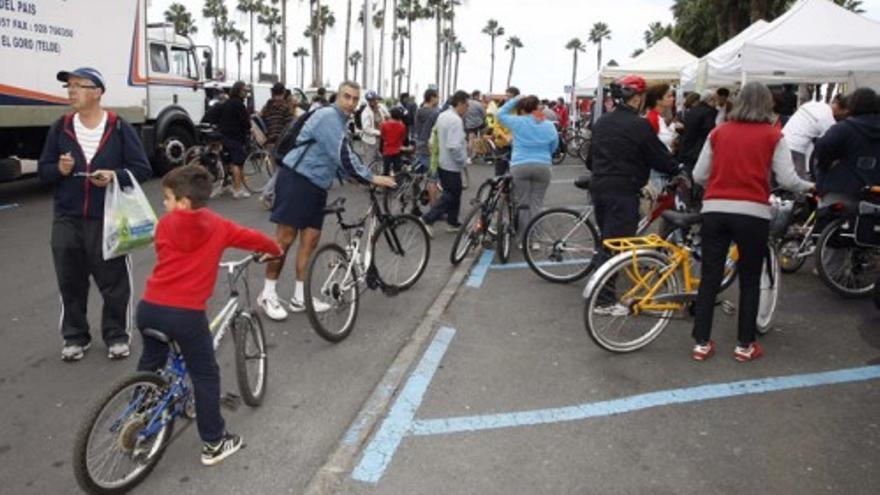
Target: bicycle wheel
(401, 199)
(770, 280)
(401, 250)
(250, 357)
(503, 225)
(584, 150)
(573, 145)
(846, 268)
(110, 455)
(788, 252)
(559, 246)
(468, 236)
(377, 166)
(335, 291)
(257, 170)
(613, 291)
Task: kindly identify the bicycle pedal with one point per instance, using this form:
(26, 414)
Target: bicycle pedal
(728, 307)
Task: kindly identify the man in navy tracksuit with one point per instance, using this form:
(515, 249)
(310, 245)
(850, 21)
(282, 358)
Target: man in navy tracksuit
(83, 150)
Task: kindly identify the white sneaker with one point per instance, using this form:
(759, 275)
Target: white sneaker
(614, 310)
(241, 193)
(299, 306)
(271, 307)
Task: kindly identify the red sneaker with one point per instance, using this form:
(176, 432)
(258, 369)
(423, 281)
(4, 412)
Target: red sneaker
(752, 351)
(703, 352)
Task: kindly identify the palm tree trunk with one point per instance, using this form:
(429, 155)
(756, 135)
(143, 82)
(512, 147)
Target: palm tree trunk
(393, 51)
(492, 67)
(437, 56)
(347, 40)
(283, 41)
(457, 55)
(225, 60)
(251, 44)
(380, 71)
(599, 55)
(316, 43)
(444, 88)
(574, 71)
(239, 66)
(409, 57)
(512, 59)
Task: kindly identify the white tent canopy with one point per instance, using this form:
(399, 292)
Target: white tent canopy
(662, 61)
(587, 86)
(718, 67)
(815, 41)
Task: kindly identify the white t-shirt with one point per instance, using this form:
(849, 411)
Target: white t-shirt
(809, 122)
(89, 139)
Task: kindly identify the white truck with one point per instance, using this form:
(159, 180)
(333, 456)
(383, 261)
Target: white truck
(154, 77)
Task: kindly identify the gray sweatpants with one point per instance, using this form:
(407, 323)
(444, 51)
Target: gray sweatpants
(530, 183)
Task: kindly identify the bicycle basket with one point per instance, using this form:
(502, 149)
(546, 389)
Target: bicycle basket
(781, 212)
(868, 225)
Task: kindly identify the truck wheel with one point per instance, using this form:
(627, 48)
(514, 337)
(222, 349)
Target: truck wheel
(172, 149)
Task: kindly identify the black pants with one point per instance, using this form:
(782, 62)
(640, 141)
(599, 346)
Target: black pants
(502, 165)
(450, 201)
(617, 215)
(76, 251)
(189, 328)
(750, 235)
(391, 163)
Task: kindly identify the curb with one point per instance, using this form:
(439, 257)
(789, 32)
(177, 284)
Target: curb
(331, 474)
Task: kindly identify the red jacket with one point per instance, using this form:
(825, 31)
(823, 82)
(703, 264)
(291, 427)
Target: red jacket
(742, 158)
(654, 117)
(562, 112)
(189, 245)
(393, 132)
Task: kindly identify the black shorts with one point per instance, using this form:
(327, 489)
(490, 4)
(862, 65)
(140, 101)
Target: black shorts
(298, 203)
(235, 151)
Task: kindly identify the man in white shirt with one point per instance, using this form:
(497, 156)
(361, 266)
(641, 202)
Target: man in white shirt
(372, 117)
(809, 123)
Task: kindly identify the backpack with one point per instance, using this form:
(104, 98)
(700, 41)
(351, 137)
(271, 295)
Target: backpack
(358, 123)
(287, 140)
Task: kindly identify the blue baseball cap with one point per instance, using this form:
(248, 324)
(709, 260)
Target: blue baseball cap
(84, 73)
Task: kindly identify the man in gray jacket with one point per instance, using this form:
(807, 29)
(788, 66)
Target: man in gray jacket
(453, 158)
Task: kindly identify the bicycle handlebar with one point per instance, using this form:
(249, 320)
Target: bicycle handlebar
(251, 258)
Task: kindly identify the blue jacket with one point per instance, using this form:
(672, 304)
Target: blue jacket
(120, 149)
(533, 142)
(330, 156)
(848, 156)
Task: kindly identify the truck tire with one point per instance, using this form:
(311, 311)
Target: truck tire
(172, 148)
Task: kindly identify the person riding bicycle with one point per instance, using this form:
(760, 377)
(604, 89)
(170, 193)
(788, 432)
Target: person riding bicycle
(190, 240)
(234, 124)
(323, 154)
(624, 150)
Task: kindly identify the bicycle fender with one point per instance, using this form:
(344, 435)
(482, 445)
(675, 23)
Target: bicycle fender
(600, 272)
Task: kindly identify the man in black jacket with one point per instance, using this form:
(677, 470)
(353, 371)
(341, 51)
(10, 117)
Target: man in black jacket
(234, 124)
(624, 150)
(84, 152)
(698, 124)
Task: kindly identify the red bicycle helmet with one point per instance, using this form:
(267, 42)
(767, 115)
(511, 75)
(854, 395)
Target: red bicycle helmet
(630, 85)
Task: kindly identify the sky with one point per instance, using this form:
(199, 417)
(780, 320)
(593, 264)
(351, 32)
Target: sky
(543, 66)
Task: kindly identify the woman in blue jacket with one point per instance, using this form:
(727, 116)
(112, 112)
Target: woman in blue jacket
(534, 140)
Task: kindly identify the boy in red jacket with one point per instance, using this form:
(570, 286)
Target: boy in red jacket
(393, 136)
(190, 240)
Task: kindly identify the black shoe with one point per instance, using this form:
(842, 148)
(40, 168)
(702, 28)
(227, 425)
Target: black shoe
(213, 453)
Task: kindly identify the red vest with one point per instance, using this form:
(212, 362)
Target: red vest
(742, 159)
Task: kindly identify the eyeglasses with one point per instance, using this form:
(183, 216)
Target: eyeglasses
(79, 86)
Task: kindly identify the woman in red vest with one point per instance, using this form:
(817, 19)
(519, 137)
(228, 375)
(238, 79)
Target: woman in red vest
(735, 167)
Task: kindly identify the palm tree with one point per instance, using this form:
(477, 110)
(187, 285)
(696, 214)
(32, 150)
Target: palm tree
(656, 31)
(575, 45)
(184, 24)
(434, 9)
(250, 7)
(347, 41)
(227, 29)
(413, 12)
(599, 32)
(216, 11)
(238, 37)
(394, 35)
(301, 53)
(379, 22)
(354, 59)
(512, 44)
(448, 39)
(402, 34)
(271, 18)
(283, 67)
(459, 49)
(259, 57)
(327, 20)
(493, 30)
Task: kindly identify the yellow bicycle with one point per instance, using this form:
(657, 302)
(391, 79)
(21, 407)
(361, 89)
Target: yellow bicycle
(631, 298)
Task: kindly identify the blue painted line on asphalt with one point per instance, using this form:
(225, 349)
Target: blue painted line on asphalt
(354, 432)
(397, 424)
(478, 272)
(641, 401)
(8, 206)
(518, 266)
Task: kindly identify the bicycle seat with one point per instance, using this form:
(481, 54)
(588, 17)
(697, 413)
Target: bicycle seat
(681, 219)
(337, 206)
(156, 334)
(583, 182)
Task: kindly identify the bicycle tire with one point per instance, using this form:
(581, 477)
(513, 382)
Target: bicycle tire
(334, 295)
(613, 270)
(468, 236)
(401, 199)
(573, 145)
(400, 243)
(257, 170)
(193, 156)
(503, 225)
(127, 436)
(790, 260)
(248, 329)
(824, 253)
(769, 295)
(730, 268)
(536, 241)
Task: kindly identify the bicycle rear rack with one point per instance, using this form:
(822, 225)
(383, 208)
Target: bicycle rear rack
(651, 241)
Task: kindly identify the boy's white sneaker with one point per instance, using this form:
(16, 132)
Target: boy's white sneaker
(271, 307)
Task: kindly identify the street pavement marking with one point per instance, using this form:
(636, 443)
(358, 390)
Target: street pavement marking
(517, 266)
(641, 401)
(8, 206)
(478, 272)
(397, 424)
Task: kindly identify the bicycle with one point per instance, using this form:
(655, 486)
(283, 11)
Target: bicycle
(651, 279)
(257, 169)
(375, 247)
(494, 199)
(411, 193)
(795, 234)
(848, 249)
(128, 429)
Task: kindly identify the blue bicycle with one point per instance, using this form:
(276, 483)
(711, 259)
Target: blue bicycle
(127, 430)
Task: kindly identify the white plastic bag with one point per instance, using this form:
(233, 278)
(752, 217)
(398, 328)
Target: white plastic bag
(129, 220)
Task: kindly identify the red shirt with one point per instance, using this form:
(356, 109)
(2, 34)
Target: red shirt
(654, 117)
(742, 158)
(393, 132)
(189, 245)
(562, 112)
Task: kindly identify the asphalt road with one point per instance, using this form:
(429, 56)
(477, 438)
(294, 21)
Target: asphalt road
(511, 384)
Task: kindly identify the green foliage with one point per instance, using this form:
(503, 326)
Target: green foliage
(184, 24)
